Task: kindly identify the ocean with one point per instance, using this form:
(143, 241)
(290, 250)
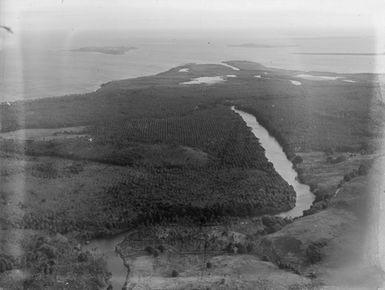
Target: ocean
(37, 65)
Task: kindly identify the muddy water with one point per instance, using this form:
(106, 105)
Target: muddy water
(282, 165)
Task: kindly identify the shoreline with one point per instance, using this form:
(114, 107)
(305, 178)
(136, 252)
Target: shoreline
(223, 63)
(276, 134)
(288, 151)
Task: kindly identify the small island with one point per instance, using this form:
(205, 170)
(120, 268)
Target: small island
(260, 45)
(115, 50)
(340, 53)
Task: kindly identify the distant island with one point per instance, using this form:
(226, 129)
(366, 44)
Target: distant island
(340, 53)
(259, 45)
(116, 50)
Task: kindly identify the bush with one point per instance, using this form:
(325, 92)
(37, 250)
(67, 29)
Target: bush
(156, 253)
(300, 171)
(174, 273)
(322, 194)
(329, 151)
(342, 204)
(161, 248)
(273, 223)
(347, 177)
(40, 241)
(250, 247)
(313, 252)
(265, 258)
(336, 160)
(229, 248)
(363, 169)
(241, 249)
(45, 170)
(82, 257)
(351, 175)
(149, 250)
(75, 168)
(297, 160)
(5, 264)
(48, 250)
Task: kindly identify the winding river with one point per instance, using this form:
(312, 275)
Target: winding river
(274, 154)
(282, 165)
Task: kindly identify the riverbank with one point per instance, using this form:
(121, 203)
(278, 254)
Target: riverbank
(321, 248)
(275, 154)
(283, 166)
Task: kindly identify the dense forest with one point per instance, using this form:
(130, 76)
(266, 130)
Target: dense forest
(200, 167)
(313, 116)
(197, 157)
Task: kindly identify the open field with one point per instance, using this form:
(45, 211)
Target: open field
(43, 134)
(336, 240)
(227, 272)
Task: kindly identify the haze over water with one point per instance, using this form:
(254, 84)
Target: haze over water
(36, 65)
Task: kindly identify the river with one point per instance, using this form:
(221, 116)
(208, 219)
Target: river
(274, 154)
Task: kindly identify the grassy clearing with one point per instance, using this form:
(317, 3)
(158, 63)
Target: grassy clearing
(44, 134)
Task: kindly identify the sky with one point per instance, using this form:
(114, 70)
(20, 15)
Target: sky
(201, 15)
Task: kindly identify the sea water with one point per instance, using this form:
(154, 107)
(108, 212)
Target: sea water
(36, 65)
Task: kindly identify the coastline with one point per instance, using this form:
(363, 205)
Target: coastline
(288, 150)
(97, 87)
